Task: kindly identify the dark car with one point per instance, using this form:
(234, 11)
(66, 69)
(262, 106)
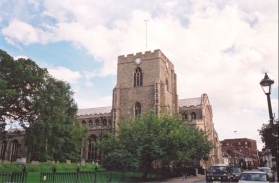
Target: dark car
(236, 172)
(253, 177)
(219, 173)
(269, 172)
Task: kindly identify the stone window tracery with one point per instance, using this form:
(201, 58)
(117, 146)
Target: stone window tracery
(92, 150)
(138, 77)
(3, 149)
(97, 122)
(83, 122)
(14, 151)
(193, 116)
(137, 109)
(90, 123)
(105, 123)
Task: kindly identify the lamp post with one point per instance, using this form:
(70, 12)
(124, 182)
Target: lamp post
(266, 84)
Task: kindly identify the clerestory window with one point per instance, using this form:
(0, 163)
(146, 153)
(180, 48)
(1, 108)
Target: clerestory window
(90, 123)
(97, 122)
(105, 122)
(137, 109)
(137, 77)
(193, 116)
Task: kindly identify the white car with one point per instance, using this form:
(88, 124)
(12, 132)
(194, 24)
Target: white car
(253, 177)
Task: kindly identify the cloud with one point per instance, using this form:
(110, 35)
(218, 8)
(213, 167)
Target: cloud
(27, 34)
(20, 56)
(64, 74)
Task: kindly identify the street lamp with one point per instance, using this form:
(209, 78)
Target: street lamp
(266, 86)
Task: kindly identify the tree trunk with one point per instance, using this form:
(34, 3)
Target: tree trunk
(145, 170)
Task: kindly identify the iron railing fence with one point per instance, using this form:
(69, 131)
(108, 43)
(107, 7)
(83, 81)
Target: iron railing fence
(18, 177)
(103, 176)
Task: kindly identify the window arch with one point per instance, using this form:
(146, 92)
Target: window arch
(193, 116)
(105, 123)
(97, 122)
(83, 122)
(137, 109)
(137, 77)
(3, 149)
(92, 150)
(184, 116)
(90, 123)
(14, 150)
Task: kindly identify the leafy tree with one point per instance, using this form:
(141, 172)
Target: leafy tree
(140, 141)
(56, 111)
(268, 137)
(19, 81)
(29, 94)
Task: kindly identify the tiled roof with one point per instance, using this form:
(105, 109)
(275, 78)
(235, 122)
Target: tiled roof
(189, 102)
(97, 110)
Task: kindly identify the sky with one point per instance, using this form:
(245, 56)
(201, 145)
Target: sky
(218, 47)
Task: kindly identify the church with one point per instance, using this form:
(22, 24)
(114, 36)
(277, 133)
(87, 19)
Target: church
(145, 81)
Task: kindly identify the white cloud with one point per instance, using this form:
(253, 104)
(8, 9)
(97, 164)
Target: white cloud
(20, 56)
(65, 74)
(27, 34)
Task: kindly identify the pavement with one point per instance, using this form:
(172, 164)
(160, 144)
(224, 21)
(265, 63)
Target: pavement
(189, 179)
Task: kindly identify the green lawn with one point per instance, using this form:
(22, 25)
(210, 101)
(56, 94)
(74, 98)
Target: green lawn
(67, 173)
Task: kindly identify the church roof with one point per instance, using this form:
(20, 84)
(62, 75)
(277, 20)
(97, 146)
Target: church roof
(97, 110)
(189, 102)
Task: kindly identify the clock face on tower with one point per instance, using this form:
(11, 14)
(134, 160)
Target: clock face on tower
(137, 61)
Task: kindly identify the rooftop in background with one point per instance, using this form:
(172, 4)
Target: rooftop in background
(106, 110)
(189, 102)
(97, 110)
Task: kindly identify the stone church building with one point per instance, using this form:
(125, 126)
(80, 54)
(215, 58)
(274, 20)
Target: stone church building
(145, 81)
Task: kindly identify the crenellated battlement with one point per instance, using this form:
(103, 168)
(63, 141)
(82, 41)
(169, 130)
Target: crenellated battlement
(147, 54)
(144, 56)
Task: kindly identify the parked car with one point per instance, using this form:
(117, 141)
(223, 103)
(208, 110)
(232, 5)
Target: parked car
(219, 173)
(271, 176)
(236, 172)
(253, 177)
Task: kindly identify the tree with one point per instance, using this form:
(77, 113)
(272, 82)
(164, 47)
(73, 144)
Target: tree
(268, 138)
(19, 83)
(140, 141)
(29, 94)
(55, 111)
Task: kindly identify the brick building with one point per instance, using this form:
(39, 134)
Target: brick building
(240, 151)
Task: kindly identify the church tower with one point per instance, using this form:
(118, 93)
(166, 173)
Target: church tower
(144, 82)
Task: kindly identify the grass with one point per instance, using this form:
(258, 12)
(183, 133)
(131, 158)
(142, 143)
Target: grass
(35, 170)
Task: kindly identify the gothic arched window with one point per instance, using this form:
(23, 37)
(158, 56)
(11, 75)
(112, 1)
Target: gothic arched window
(14, 151)
(97, 122)
(105, 123)
(167, 84)
(138, 77)
(137, 109)
(193, 116)
(3, 149)
(184, 116)
(83, 122)
(92, 149)
(90, 123)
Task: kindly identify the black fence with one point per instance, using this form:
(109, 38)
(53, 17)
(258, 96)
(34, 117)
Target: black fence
(18, 177)
(103, 176)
